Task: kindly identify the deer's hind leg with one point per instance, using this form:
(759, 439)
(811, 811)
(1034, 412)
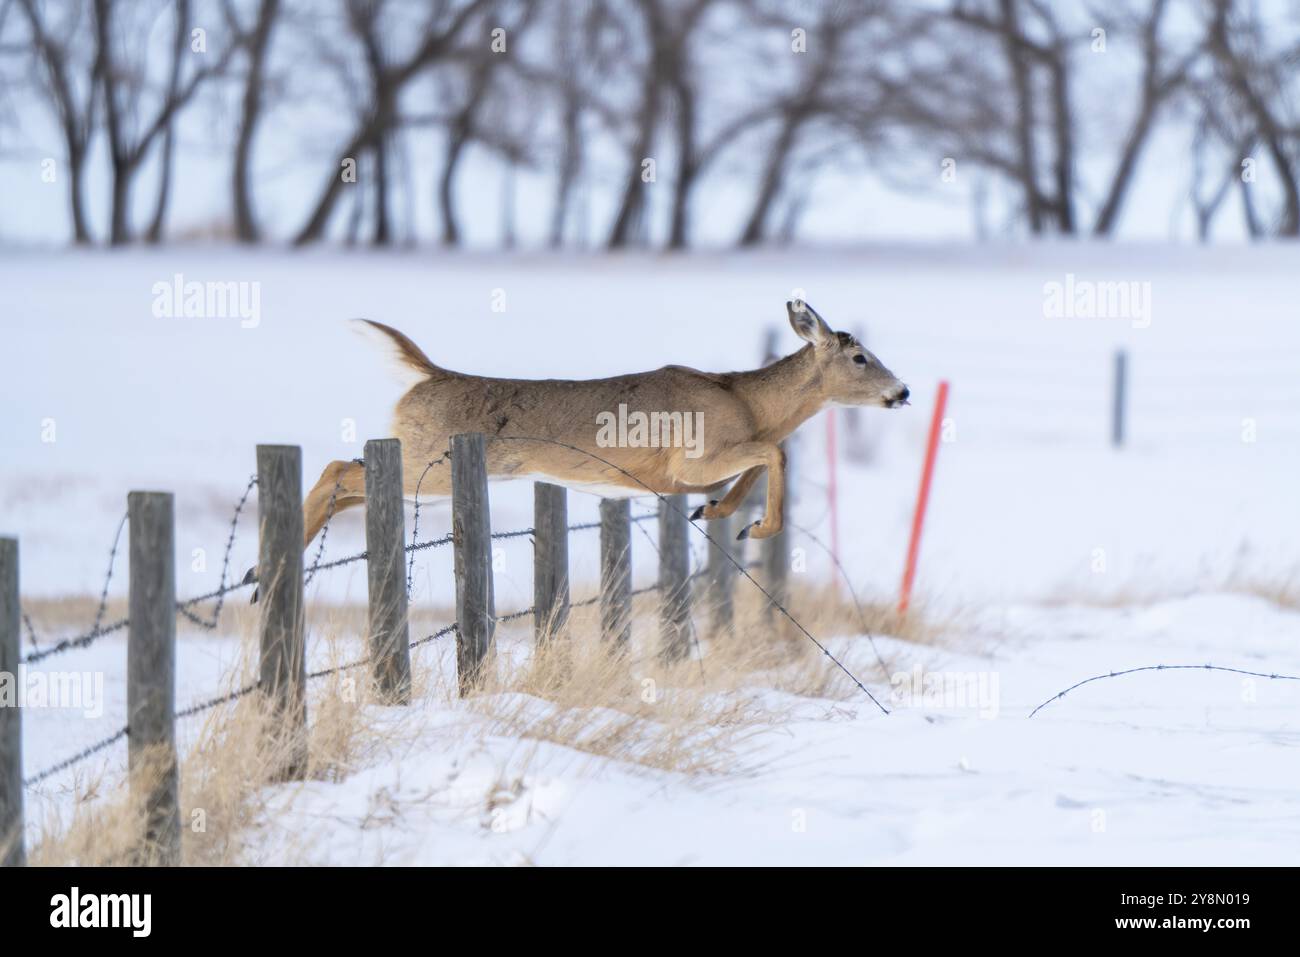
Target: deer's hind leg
(343, 484)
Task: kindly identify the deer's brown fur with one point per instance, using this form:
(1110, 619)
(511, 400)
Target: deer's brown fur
(745, 417)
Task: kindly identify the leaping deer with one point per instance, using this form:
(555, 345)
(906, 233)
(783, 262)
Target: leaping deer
(550, 428)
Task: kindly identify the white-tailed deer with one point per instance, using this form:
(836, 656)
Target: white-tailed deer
(668, 431)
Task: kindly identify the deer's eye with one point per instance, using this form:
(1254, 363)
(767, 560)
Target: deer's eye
(860, 359)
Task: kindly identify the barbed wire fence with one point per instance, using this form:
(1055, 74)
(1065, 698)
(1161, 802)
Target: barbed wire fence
(224, 588)
(99, 628)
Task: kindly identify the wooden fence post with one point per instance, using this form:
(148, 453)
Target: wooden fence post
(550, 561)
(471, 530)
(151, 676)
(774, 552)
(776, 570)
(279, 573)
(390, 637)
(616, 571)
(719, 574)
(12, 852)
(1119, 399)
(674, 579)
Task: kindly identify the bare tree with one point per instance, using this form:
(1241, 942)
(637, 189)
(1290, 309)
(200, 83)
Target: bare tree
(791, 113)
(71, 84)
(378, 111)
(1159, 82)
(255, 41)
(1260, 84)
(644, 35)
(124, 89)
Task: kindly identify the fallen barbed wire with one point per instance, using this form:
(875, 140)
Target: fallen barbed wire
(1131, 671)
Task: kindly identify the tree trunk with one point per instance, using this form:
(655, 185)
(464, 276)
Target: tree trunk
(383, 232)
(633, 201)
(570, 162)
(246, 229)
(773, 177)
(1063, 131)
(447, 191)
(687, 166)
(77, 194)
(1119, 184)
(119, 233)
(154, 236)
(1024, 115)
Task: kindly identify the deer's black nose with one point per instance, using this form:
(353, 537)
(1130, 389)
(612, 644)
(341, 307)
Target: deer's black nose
(903, 396)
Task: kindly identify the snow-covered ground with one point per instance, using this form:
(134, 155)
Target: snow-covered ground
(1175, 769)
(1034, 517)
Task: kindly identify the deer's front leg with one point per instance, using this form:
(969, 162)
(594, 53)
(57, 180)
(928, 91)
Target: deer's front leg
(747, 456)
(734, 498)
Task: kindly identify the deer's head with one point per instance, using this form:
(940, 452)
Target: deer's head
(849, 374)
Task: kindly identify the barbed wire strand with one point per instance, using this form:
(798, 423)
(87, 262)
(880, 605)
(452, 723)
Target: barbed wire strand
(96, 629)
(739, 565)
(853, 594)
(325, 529)
(184, 607)
(1132, 671)
(415, 522)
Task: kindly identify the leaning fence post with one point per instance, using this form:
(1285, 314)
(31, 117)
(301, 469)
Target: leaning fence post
(279, 573)
(674, 579)
(12, 852)
(1119, 398)
(151, 675)
(390, 638)
(719, 574)
(471, 530)
(550, 560)
(616, 571)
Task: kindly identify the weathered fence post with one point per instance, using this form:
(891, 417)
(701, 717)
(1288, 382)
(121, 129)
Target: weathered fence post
(674, 579)
(776, 570)
(1119, 399)
(550, 561)
(279, 573)
(390, 638)
(151, 676)
(471, 530)
(616, 571)
(719, 574)
(12, 852)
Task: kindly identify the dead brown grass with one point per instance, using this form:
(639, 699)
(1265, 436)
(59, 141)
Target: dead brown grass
(696, 717)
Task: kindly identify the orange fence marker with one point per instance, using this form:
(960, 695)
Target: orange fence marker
(923, 498)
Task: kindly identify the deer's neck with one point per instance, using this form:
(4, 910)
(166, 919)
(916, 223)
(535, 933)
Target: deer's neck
(783, 395)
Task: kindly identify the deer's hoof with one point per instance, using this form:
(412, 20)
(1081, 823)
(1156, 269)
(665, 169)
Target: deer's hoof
(250, 576)
(699, 512)
(744, 532)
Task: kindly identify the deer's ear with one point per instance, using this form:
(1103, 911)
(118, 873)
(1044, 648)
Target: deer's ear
(807, 324)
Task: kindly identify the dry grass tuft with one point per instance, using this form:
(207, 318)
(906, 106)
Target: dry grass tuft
(694, 717)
